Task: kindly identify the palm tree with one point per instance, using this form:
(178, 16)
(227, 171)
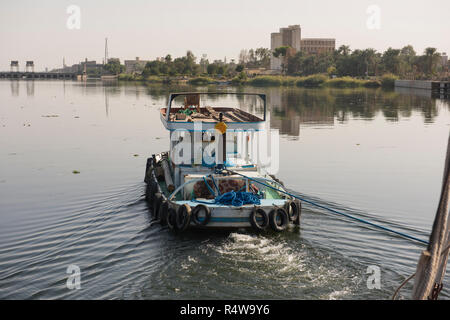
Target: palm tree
(432, 57)
(344, 50)
(370, 57)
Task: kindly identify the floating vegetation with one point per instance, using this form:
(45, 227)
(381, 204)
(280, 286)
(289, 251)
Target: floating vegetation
(76, 172)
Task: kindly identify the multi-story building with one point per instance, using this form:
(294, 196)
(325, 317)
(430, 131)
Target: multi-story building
(292, 37)
(135, 66)
(318, 45)
(91, 67)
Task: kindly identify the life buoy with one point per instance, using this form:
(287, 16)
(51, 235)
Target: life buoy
(162, 212)
(259, 219)
(196, 215)
(171, 218)
(156, 203)
(278, 219)
(292, 210)
(183, 217)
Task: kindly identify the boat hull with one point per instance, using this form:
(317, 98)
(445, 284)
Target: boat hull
(221, 216)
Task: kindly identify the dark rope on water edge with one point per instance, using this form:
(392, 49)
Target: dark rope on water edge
(404, 235)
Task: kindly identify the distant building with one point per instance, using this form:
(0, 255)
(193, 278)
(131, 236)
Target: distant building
(254, 71)
(135, 66)
(444, 59)
(318, 45)
(292, 37)
(92, 67)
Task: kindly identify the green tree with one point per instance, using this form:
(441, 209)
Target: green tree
(212, 69)
(282, 52)
(407, 60)
(113, 66)
(371, 60)
(391, 61)
(432, 60)
(221, 69)
(263, 55)
(344, 50)
(239, 68)
(332, 71)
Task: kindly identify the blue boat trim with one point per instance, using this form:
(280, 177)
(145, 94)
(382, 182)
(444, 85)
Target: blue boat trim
(264, 203)
(234, 130)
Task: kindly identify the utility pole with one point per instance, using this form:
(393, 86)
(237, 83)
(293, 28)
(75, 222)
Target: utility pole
(106, 51)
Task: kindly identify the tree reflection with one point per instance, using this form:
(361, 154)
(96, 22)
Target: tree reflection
(292, 107)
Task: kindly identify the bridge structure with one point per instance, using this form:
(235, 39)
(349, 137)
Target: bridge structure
(29, 66)
(37, 75)
(14, 65)
(29, 73)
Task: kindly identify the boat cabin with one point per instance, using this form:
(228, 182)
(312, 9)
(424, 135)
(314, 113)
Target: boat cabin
(203, 137)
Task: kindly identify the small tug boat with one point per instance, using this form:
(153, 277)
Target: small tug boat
(207, 178)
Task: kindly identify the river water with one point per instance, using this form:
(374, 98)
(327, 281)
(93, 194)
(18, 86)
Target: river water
(375, 154)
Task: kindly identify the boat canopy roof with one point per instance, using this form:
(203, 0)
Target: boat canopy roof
(191, 112)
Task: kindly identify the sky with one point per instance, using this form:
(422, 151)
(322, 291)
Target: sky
(37, 30)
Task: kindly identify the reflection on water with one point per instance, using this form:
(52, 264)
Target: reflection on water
(30, 88)
(293, 108)
(371, 153)
(14, 88)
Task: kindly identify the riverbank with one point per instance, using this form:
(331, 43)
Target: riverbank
(313, 81)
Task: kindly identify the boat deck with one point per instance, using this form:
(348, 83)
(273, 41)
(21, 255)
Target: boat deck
(209, 114)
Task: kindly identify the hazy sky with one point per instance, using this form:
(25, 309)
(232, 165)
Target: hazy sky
(36, 30)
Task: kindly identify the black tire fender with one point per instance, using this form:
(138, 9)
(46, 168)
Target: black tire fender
(299, 206)
(195, 212)
(171, 218)
(183, 217)
(292, 210)
(150, 192)
(254, 221)
(157, 200)
(163, 211)
(276, 215)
